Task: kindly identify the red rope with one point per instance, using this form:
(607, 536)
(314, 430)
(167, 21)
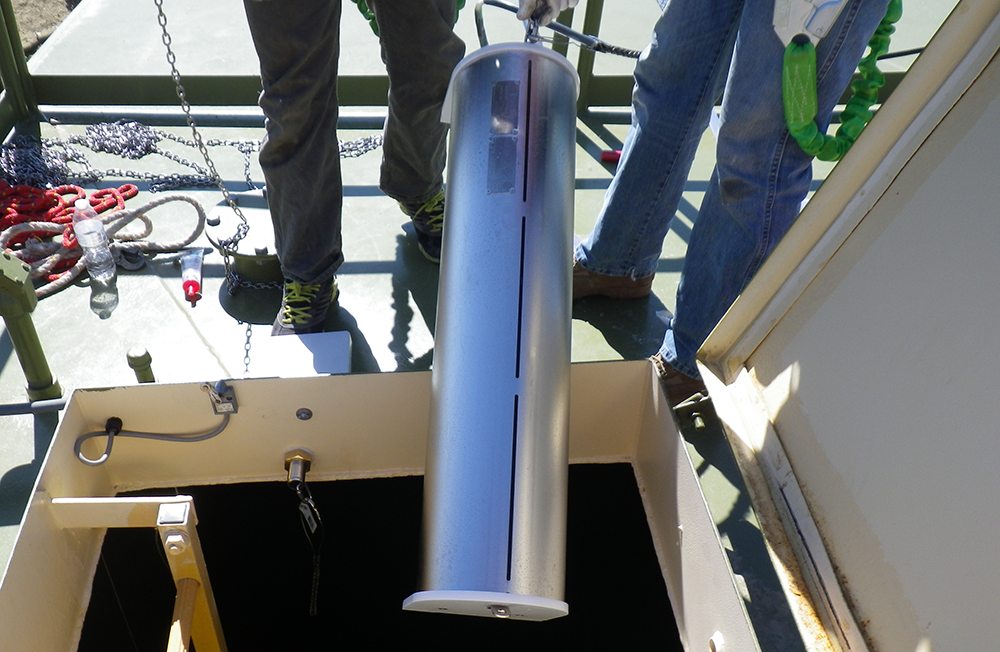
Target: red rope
(19, 204)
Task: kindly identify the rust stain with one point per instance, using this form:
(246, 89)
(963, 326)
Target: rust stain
(786, 564)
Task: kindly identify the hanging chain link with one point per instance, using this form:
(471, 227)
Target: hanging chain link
(246, 348)
(227, 245)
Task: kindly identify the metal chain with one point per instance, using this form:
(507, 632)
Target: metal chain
(232, 279)
(133, 140)
(245, 147)
(25, 162)
(45, 163)
(355, 148)
(246, 348)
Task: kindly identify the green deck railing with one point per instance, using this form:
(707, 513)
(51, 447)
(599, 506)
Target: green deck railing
(24, 92)
(18, 102)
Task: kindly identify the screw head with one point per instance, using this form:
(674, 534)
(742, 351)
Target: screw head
(500, 611)
(304, 414)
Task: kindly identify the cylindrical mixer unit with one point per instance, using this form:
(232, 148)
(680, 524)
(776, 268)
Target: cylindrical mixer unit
(494, 537)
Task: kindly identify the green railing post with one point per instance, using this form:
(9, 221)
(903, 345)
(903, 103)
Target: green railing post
(585, 64)
(141, 362)
(17, 300)
(560, 43)
(14, 66)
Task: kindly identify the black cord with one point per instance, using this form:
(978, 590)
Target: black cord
(118, 601)
(614, 49)
(583, 40)
(312, 525)
(900, 53)
(113, 428)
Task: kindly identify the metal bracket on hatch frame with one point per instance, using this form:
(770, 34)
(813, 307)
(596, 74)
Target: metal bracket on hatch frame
(223, 397)
(196, 616)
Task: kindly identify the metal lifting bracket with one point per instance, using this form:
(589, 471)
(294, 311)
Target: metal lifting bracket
(196, 616)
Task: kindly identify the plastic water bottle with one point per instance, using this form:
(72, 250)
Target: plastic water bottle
(97, 257)
(103, 298)
(94, 242)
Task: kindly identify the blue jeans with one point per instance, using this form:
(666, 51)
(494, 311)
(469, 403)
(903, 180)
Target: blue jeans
(298, 44)
(702, 49)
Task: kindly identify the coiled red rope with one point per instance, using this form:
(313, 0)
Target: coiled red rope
(21, 204)
(36, 226)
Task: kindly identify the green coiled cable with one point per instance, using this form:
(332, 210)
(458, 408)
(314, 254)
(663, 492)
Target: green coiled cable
(370, 16)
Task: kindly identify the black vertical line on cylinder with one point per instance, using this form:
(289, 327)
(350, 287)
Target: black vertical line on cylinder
(520, 303)
(527, 133)
(524, 199)
(513, 471)
(520, 317)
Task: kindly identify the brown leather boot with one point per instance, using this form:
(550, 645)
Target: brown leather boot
(587, 284)
(678, 386)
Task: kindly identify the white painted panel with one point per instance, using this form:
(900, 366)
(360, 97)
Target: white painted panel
(361, 425)
(880, 381)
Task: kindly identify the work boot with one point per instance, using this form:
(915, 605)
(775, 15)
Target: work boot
(304, 307)
(587, 283)
(678, 387)
(428, 220)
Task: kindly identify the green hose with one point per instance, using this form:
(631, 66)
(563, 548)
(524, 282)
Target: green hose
(799, 92)
(367, 13)
(370, 16)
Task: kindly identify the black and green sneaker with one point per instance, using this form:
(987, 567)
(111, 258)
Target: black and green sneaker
(428, 220)
(304, 307)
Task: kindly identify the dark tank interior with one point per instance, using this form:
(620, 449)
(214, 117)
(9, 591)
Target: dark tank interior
(260, 565)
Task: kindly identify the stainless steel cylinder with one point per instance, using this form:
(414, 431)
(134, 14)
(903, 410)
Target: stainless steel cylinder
(494, 535)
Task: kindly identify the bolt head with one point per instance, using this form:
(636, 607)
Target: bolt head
(175, 543)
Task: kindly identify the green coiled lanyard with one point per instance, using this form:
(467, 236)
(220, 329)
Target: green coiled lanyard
(799, 92)
(369, 15)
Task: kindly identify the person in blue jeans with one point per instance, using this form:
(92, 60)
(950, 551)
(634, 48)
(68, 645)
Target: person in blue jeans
(701, 50)
(298, 44)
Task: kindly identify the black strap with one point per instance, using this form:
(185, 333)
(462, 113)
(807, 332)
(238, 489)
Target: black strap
(312, 525)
